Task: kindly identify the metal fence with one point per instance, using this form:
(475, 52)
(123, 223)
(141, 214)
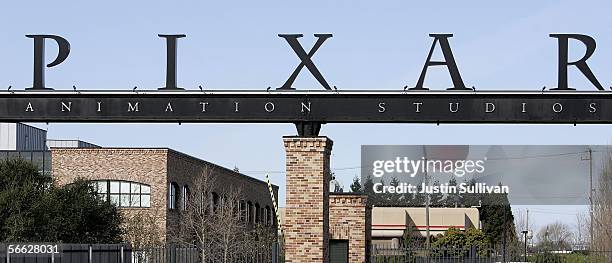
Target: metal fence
(123, 253)
(65, 253)
(389, 254)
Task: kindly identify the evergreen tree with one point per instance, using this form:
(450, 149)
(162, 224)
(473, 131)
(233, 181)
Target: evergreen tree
(437, 199)
(452, 199)
(495, 214)
(368, 189)
(471, 200)
(380, 199)
(394, 199)
(32, 209)
(73, 214)
(21, 189)
(356, 185)
(419, 199)
(498, 220)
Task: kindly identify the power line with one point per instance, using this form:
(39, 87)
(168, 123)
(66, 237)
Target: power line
(488, 159)
(553, 213)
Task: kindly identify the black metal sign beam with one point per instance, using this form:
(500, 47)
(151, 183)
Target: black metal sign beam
(307, 106)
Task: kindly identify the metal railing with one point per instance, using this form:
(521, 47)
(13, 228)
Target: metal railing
(391, 254)
(124, 253)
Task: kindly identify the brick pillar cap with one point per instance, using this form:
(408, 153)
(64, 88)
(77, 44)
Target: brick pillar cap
(301, 137)
(315, 141)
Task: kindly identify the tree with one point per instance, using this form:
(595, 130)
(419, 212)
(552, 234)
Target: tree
(498, 220)
(419, 199)
(141, 229)
(227, 227)
(393, 199)
(457, 243)
(196, 225)
(521, 224)
(555, 236)
(602, 207)
(356, 185)
(368, 189)
(219, 226)
(21, 189)
(74, 214)
(582, 226)
(452, 199)
(32, 209)
(436, 199)
(412, 237)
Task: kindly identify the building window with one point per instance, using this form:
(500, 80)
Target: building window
(250, 212)
(123, 193)
(257, 213)
(185, 197)
(269, 216)
(215, 201)
(203, 207)
(172, 191)
(243, 211)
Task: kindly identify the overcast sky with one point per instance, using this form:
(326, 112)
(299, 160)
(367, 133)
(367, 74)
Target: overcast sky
(376, 45)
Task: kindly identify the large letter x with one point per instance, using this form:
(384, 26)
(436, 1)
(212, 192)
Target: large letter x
(306, 60)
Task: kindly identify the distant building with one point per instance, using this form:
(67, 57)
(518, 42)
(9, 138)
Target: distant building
(390, 223)
(18, 140)
(21, 137)
(54, 143)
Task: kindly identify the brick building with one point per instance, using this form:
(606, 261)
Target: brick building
(155, 181)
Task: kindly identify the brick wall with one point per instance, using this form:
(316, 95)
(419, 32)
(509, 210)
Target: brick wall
(183, 169)
(307, 206)
(349, 217)
(146, 166)
(157, 168)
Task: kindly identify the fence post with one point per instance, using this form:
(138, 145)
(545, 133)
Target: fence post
(90, 252)
(473, 253)
(275, 253)
(122, 254)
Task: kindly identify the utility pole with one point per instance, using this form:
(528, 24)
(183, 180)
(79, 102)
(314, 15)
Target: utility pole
(591, 214)
(427, 221)
(504, 241)
(527, 220)
(526, 233)
(591, 193)
(427, 204)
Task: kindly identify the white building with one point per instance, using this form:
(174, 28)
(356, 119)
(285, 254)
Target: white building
(22, 137)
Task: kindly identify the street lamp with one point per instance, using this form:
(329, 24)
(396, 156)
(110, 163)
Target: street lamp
(525, 233)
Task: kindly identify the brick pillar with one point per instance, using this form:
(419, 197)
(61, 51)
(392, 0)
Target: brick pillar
(307, 209)
(349, 219)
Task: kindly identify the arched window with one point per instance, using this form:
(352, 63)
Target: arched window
(269, 216)
(264, 216)
(215, 201)
(185, 197)
(257, 213)
(203, 206)
(243, 211)
(123, 193)
(173, 190)
(250, 215)
(236, 209)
